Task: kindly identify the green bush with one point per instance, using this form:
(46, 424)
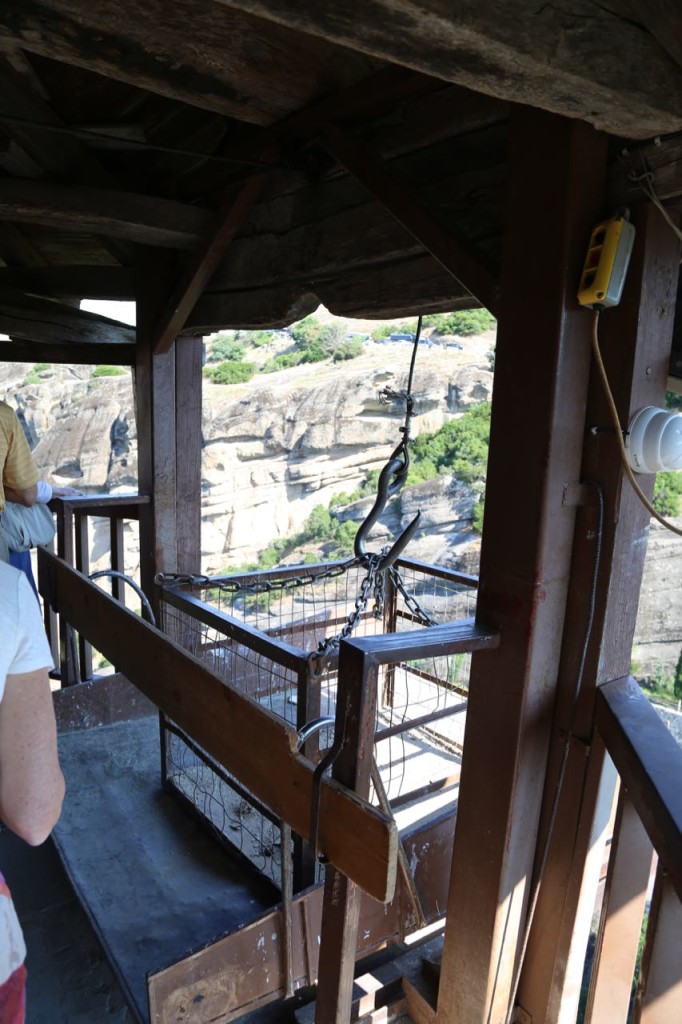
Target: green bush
(465, 322)
(382, 331)
(459, 447)
(230, 373)
(109, 371)
(282, 362)
(667, 491)
(37, 373)
(677, 680)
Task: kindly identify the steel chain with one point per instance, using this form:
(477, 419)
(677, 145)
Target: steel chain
(409, 600)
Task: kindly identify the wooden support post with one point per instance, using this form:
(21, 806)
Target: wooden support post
(557, 169)
(623, 909)
(168, 413)
(635, 343)
(355, 712)
(659, 995)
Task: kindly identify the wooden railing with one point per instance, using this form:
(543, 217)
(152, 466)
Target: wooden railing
(631, 982)
(73, 653)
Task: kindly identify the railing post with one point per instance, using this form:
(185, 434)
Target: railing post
(625, 893)
(659, 994)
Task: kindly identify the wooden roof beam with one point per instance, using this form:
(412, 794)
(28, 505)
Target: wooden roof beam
(86, 354)
(443, 246)
(595, 65)
(204, 261)
(74, 282)
(99, 211)
(190, 50)
(32, 319)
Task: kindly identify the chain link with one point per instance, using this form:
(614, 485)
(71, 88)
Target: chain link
(411, 602)
(258, 586)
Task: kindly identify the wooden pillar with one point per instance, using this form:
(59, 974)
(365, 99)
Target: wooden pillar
(168, 415)
(635, 341)
(557, 170)
(355, 718)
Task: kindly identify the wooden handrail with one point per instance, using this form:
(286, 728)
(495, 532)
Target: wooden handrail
(649, 763)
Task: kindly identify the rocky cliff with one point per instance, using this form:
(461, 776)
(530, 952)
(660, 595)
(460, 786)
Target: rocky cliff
(278, 446)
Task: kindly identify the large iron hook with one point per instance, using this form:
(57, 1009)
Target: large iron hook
(390, 481)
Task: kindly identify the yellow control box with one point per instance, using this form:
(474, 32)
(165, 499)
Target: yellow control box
(606, 263)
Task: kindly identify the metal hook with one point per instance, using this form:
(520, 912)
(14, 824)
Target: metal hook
(396, 467)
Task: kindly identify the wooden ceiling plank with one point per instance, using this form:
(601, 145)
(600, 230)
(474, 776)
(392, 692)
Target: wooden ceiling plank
(33, 319)
(69, 353)
(89, 282)
(596, 66)
(190, 50)
(662, 19)
(16, 248)
(143, 219)
(63, 155)
(204, 261)
(383, 90)
(443, 246)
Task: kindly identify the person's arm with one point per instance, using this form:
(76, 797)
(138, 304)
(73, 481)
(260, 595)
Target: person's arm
(31, 782)
(22, 496)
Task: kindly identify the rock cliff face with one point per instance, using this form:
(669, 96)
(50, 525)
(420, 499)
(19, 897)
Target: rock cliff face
(278, 446)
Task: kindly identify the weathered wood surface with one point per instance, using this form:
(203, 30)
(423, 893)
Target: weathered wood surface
(33, 319)
(579, 60)
(234, 730)
(81, 282)
(649, 762)
(86, 354)
(456, 258)
(248, 68)
(139, 218)
(227, 990)
(523, 585)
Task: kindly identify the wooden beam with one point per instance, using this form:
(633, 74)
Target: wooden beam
(86, 354)
(443, 246)
(143, 219)
(249, 69)
(204, 261)
(88, 282)
(635, 344)
(233, 729)
(32, 319)
(556, 176)
(662, 19)
(587, 68)
(649, 762)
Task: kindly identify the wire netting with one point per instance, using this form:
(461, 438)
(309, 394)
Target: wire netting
(257, 633)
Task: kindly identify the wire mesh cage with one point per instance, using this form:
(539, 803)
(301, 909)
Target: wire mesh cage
(274, 637)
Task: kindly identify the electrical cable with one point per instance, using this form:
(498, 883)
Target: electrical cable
(619, 431)
(645, 182)
(532, 906)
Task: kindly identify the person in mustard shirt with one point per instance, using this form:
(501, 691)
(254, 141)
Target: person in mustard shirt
(19, 475)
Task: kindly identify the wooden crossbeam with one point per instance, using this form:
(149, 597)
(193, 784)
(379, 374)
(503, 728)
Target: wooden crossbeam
(102, 211)
(78, 282)
(86, 354)
(589, 68)
(32, 319)
(204, 260)
(197, 52)
(443, 246)
(253, 744)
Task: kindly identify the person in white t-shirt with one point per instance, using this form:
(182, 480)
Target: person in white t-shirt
(31, 782)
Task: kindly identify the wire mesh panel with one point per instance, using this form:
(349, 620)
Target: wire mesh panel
(274, 636)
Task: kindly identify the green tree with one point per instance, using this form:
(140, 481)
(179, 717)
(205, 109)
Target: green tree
(306, 331)
(226, 347)
(673, 400)
(459, 447)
